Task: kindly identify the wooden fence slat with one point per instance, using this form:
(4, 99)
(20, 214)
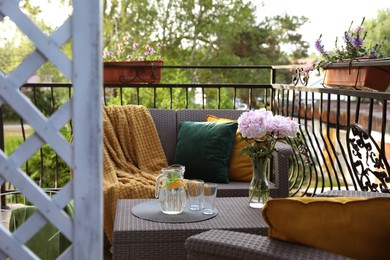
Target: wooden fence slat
(84, 156)
(87, 141)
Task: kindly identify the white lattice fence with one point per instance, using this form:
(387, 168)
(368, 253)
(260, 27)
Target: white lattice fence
(85, 232)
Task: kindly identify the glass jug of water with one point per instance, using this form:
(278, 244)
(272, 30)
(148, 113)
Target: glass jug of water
(170, 189)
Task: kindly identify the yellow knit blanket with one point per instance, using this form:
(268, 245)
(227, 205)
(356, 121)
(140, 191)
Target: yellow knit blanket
(132, 156)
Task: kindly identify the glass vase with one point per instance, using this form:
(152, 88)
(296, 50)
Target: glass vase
(259, 186)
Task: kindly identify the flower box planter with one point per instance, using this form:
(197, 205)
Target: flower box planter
(125, 72)
(371, 77)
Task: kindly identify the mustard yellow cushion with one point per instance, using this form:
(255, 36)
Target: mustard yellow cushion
(240, 166)
(354, 227)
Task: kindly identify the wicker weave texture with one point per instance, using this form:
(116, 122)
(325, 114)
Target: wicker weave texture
(222, 244)
(165, 122)
(280, 169)
(135, 238)
(352, 193)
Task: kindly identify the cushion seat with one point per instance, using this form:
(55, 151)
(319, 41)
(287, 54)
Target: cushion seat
(354, 227)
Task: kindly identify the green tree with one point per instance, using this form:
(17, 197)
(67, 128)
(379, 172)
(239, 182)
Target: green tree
(379, 31)
(193, 32)
(201, 32)
(205, 32)
(128, 17)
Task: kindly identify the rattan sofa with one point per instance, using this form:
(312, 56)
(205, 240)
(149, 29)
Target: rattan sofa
(222, 244)
(167, 120)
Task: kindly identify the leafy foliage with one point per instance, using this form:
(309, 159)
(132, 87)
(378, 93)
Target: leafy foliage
(44, 167)
(353, 48)
(379, 28)
(221, 32)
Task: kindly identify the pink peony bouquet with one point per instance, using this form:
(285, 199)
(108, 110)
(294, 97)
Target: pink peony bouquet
(261, 129)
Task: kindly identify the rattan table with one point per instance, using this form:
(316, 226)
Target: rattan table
(135, 238)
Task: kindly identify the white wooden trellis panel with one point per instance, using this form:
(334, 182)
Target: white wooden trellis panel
(84, 28)
(88, 154)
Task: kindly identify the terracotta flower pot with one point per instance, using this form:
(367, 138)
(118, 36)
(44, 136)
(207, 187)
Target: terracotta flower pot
(124, 72)
(370, 77)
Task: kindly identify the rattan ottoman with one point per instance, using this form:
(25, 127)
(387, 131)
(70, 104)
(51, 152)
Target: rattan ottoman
(135, 238)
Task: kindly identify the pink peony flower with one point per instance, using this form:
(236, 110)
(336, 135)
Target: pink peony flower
(253, 124)
(281, 126)
(262, 130)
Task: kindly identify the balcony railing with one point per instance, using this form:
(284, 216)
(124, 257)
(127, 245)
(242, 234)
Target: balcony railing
(324, 115)
(319, 162)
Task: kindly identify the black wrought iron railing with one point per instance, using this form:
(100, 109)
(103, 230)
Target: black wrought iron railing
(324, 115)
(319, 162)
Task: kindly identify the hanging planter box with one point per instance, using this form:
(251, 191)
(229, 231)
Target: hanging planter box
(358, 77)
(125, 72)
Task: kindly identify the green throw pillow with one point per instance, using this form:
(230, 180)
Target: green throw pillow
(204, 149)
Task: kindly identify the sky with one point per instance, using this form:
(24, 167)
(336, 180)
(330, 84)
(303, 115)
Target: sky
(328, 17)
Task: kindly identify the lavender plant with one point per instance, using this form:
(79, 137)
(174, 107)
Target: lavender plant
(353, 47)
